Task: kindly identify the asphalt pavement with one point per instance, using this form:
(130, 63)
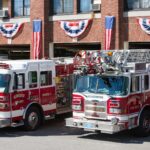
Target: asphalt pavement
(53, 135)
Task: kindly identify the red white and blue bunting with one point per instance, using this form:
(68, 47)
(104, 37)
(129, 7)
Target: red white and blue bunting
(74, 28)
(145, 24)
(9, 30)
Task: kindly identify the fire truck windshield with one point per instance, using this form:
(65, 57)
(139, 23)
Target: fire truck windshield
(4, 82)
(110, 85)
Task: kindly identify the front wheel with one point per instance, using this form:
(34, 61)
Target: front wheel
(32, 119)
(144, 124)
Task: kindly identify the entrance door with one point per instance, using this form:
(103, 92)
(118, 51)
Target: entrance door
(47, 87)
(136, 97)
(15, 52)
(70, 49)
(145, 86)
(19, 96)
(139, 45)
(33, 77)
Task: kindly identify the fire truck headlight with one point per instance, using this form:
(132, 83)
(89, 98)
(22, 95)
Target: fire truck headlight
(114, 121)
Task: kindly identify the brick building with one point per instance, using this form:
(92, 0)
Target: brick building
(126, 31)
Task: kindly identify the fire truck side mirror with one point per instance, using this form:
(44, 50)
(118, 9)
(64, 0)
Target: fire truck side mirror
(15, 81)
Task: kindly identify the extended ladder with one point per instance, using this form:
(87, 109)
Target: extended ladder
(117, 59)
(131, 56)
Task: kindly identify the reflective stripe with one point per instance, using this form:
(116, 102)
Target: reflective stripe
(49, 106)
(17, 113)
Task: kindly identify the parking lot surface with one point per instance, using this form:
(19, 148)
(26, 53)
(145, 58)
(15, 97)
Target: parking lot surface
(53, 135)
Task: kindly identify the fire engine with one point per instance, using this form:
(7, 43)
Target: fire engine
(32, 91)
(112, 91)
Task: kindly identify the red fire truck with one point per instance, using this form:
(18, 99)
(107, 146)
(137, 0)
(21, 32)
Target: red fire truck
(112, 91)
(34, 90)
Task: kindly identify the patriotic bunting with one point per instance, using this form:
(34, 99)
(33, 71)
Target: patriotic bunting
(37, 38)
(74, 28)
(9, 30)
(109, 21)
(145, 24)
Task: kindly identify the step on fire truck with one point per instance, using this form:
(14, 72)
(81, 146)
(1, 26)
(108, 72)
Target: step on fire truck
(112, 91)
(34, 90)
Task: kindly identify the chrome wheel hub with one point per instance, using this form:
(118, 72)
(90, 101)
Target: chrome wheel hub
(33, 119)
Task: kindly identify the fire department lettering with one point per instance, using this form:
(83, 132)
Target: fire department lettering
(19, 96)
(19, 102)
(46, 94)
(34, 98)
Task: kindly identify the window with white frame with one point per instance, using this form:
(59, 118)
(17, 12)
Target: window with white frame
(62, 7)
(137, 4)
(21, 8)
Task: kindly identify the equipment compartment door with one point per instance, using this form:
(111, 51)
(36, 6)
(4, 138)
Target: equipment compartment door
(145, 87)
(64, 93)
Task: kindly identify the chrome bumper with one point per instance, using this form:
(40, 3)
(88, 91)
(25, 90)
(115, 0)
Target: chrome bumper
(5, 123)
(95, 125)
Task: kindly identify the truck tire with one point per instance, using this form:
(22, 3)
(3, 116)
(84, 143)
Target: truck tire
(33, 119)
(144, 125)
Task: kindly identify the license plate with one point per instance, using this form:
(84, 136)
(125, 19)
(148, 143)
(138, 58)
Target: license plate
(88, 125)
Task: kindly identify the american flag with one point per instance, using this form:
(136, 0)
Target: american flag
(37, 30)
(109, 20)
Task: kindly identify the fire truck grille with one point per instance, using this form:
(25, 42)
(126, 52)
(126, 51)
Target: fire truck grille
(95, 109)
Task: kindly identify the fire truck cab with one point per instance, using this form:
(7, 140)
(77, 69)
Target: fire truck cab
(30, 91)
(112, 92)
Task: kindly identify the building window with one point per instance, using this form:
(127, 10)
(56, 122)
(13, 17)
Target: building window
(21, 8)
(85, 7)
(137, 4)
(62, 6)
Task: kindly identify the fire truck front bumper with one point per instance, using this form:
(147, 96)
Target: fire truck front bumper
(95, 125)
(5, 123)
